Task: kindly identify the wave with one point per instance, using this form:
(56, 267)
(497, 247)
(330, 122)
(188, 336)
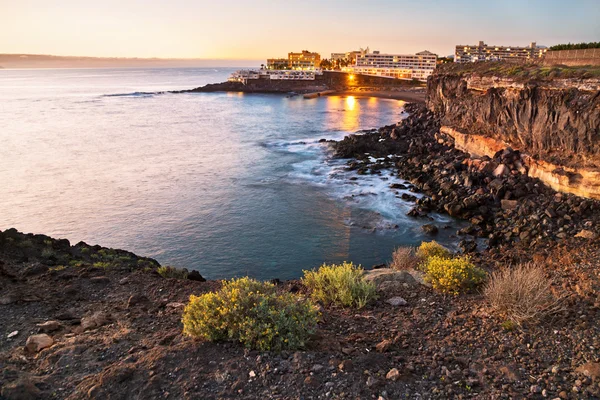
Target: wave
(372, 193)
(133, 94)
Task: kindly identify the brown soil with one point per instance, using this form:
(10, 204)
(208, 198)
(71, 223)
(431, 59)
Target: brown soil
(443, 346)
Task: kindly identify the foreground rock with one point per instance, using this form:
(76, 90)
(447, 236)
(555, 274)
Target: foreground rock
(384, 278)
(37, 343)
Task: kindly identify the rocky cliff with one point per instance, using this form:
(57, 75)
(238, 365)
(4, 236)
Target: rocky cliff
(554, 121)
(557, 120)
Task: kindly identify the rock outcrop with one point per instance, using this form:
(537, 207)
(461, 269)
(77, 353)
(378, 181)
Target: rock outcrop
(498, 195)
(554, 123)
(557, 122)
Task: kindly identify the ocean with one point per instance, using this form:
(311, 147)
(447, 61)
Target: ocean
(228, 184)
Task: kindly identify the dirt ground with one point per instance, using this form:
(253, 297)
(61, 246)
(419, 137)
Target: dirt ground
(118, 336)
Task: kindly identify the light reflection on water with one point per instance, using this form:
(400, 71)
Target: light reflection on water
(228, 184)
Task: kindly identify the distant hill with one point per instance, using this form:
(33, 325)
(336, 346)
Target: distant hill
(49, 61)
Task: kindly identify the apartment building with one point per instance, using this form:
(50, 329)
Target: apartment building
(246, 75)
(401, 66)
(485, 52)
(305, 60)
(278, 63)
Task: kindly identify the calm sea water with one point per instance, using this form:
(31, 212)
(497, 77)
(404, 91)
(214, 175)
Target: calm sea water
(228, 184)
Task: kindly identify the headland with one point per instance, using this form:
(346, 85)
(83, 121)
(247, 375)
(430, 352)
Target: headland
(334, 83)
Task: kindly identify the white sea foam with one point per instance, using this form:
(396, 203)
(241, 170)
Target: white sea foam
(371, 193)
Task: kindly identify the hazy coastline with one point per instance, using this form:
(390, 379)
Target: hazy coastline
(42, 61)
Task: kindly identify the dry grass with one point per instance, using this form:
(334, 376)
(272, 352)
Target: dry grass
(522, 294)
(405, 258)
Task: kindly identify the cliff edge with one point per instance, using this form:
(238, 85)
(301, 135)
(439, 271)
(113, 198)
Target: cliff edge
(550, 114)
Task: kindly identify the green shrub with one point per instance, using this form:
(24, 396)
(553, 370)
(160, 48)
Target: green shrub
(27, 244)
(172, 272)
(432, 249)
(343, 285)
(453, 275)
(48, 253)
(103, 265)
(253, 313)
(76, 263)
(107, 254)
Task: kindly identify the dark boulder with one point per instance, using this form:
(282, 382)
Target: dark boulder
(430, 229)
(195, 276)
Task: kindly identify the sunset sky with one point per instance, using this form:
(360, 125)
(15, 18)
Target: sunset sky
(258, 29)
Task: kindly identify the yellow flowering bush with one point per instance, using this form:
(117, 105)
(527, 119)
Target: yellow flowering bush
(431, 249)
(453, 275)
(342, 285)
(253, 313)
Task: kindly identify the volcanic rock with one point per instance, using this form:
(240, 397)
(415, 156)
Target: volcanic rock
(36, 343)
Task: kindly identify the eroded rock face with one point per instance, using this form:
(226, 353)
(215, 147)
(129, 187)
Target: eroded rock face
(559, 123)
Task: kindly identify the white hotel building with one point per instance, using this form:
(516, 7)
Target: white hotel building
(246, 75)
(401, 66)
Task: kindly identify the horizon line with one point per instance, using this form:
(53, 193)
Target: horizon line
(134, 58)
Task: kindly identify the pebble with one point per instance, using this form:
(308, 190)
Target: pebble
(36, 343)
(393, 374)
(96, 320)
(317, 368)
(535, 389)
(371, 381)
(49, 326)
(397, 301)
(346, 366)
(383, 346)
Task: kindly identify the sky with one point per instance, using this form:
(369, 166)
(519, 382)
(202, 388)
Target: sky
(260, 29)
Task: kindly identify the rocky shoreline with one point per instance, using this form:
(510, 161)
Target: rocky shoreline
(502, 203)
(336, 82)
(85, 321)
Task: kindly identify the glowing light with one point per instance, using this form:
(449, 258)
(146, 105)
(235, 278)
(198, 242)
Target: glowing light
(351, 77)
(351, 102)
